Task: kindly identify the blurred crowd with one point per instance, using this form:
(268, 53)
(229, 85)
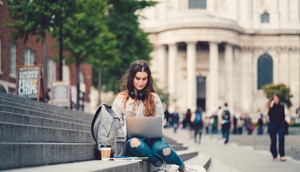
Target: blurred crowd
(210, 123)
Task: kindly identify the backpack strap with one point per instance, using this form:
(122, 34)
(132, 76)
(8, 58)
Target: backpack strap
(96, 116)
(93, 121)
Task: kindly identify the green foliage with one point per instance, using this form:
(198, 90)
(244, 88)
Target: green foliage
(164, 95)
(281, 90)
(35, 17)
(132, 42)
(104, 33)
(85, 34)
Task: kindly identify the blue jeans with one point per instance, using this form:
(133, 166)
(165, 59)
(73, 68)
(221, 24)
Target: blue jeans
(214, 130)
(198, 132)
(157, 150)
(225, 132)
(275, 129)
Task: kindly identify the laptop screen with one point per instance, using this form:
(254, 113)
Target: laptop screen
(144, 127)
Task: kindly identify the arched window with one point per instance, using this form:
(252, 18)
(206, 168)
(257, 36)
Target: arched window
(265, 17)
(264, 70)
(197, 4)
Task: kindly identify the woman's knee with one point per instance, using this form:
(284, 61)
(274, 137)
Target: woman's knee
(163, 152)
(161, 149)
(134, 142)
(166, 151)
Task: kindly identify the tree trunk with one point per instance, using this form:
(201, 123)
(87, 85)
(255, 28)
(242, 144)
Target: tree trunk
(99, 84)
(77, 84)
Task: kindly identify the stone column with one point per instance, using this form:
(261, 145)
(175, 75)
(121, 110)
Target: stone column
(211, 5)
(246, 79)
(191, 75)
(171, 75)
(213, 76)
(162, 66)
(276, 64)
(229, 74)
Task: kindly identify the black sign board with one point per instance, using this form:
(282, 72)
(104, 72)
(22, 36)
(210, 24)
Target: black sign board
(29, 82)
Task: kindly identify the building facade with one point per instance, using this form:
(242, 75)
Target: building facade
(207, 52)
(15, 53)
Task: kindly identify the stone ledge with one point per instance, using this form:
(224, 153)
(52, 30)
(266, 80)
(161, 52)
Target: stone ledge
(45, 108)
(10, 117)
(18, 155)
(75, 119)
(91, 166)
(15, 99)
(105, 166)
(29, 133)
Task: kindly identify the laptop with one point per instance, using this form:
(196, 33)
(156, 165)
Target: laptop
(147, 127)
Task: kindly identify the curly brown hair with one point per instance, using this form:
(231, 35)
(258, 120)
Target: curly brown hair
(126, 84)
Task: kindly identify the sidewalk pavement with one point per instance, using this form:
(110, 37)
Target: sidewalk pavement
(232, 157)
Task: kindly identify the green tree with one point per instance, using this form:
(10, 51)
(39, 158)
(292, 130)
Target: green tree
(163, 94)
(35, 18)
(132, 42)
(281, 90)
(87, 38)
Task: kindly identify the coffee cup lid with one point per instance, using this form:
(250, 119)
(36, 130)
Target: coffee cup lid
(105, 146)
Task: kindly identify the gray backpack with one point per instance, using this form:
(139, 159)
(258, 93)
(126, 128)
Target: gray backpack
(107, 130)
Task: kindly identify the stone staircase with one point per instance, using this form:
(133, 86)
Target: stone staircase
(36, 134)
(263, 143)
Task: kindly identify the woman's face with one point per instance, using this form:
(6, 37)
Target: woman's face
(276, 99)
(140, 80)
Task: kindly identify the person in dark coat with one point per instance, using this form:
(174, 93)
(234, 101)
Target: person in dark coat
(276, 127)
(260, 124)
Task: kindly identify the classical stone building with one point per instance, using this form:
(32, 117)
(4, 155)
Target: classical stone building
(207, 52)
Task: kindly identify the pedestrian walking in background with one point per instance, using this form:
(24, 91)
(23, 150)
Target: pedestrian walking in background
(214, 120)
(167, 117)
(235, 124)
(190, 125)
(225, 123)
(249, 125)
(206, 124)
(197, 120)
(240, 125)
(175, 120)
(276, 127)
(260, 123)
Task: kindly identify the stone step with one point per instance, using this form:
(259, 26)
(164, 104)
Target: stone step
(200, 160)
(263, 143)
(24, 154)
(103, 166)
(187, 154)
(15, 99)
(10, 132)
(177, 147)
(169, 140)
(46, 109)
(29, 112)
(291, 140)
(8, 117)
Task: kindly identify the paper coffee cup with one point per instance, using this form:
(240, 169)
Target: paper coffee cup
(105, 152)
